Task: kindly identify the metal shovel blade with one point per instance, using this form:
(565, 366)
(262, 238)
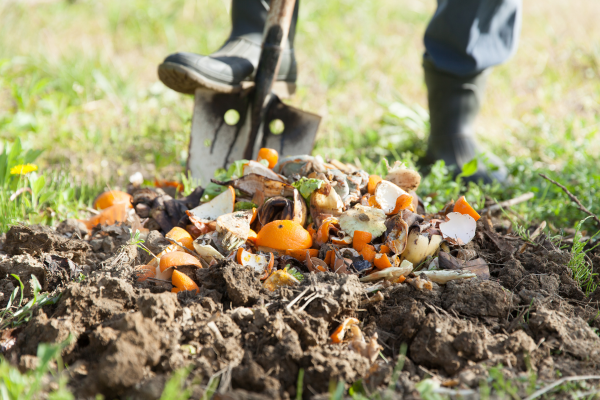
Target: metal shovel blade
(214, 144)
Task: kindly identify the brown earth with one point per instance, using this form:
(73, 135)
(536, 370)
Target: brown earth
(128, 337)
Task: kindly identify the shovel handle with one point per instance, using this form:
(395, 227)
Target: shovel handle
(277, 28)
(275, 34)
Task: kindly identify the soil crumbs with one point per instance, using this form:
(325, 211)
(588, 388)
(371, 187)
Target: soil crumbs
(130, 336)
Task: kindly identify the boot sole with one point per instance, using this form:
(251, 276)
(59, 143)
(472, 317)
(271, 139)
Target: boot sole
(185, 80)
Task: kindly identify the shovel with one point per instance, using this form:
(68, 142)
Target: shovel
(216, 141)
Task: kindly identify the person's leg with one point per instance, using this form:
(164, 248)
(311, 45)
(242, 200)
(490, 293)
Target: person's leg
(236, 61)
(463, 40)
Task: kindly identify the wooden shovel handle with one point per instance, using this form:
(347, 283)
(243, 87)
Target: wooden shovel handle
(277, 27)
(276, 32)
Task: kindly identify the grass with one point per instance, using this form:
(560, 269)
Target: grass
(579, 262)
(80, 84)
(15, 312)
(45, 378)
(31, 196)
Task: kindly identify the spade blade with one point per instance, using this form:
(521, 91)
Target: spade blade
(299, 129)
(214, 144)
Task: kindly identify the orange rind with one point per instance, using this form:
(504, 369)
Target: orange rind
(183, 282)
(284, 235)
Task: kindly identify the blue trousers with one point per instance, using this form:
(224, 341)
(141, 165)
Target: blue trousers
(465, 37)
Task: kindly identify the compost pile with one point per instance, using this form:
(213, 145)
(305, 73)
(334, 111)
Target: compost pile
(283, 266)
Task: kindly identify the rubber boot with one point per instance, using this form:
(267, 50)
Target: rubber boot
(454, 103)
(235, 62)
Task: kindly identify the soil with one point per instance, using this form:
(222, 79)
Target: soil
(129, 336)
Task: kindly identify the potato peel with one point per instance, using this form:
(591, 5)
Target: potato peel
(405, 268)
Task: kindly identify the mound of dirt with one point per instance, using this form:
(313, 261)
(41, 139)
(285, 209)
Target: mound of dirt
(38, 240)
(129, 336)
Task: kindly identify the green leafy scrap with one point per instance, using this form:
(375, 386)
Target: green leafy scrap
(294, 272)
(244, 205)
(307, 185)
(236, 170)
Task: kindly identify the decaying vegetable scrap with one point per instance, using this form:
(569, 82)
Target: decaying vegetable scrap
(300, 215)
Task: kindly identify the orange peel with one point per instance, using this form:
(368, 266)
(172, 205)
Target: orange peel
(338, 334)
(183, 282)
(284, 235)
(463, 207)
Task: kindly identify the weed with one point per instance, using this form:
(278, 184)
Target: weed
(211, 387)
(426, 389)
(579, 264)
(135, 240)
(16, 313)
(174, 387)
(503, 387)
(28, 195)
(299, 384)
(15, 385)
(189, 183)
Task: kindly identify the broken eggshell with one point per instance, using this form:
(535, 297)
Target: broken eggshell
(258, 262)
(459, 228)
(338, 182)
(207, 252)
(210, 211)
(387, 195)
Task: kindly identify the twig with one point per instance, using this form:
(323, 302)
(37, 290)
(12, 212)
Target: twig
(573, 198)
(507, 203)
(160, 280)
(309, 299)
(289, 306)
(560, 382)
(173, 241)
(91, 210)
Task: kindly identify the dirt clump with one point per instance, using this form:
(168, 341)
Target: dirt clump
(334, 295)
(450, 344)
(571, 335)
(24, 266)
(229, 281)
(37, 240)
(477, 298)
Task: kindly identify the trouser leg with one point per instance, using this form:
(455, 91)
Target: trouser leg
(463, 40)
(465, 37)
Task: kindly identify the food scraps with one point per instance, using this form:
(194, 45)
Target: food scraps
(286, 217)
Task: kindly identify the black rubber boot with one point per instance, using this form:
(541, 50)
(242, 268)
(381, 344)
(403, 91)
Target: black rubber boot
(453, 105)
(227, 69)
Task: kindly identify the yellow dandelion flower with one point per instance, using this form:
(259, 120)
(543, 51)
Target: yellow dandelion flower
(23, 169)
